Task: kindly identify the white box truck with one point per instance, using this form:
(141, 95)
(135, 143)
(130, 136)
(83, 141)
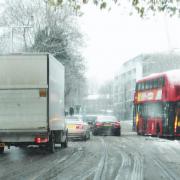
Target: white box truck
(31, 101)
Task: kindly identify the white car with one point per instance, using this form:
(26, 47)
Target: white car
(77, 128)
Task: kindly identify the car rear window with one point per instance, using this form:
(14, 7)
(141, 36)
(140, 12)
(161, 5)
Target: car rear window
(106, 119)
(90, 118)
(73, 118)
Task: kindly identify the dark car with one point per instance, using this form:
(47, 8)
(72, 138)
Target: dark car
(90, 119)
(106, 125)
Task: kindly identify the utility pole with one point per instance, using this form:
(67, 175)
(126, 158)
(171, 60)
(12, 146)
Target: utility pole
(12, 35)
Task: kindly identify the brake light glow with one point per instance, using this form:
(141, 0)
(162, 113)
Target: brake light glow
(98, 124)
(116, 124)
(79, 126)
(39, 140)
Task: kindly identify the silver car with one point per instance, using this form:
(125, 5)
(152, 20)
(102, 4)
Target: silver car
(77, 128)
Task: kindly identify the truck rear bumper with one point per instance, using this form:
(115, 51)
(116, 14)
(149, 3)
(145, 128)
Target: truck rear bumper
(13, 138)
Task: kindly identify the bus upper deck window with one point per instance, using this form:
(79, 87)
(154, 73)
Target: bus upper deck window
(142, 86)
(150, 84)
(137, 88)
(162, 81)
(146, 85)
(155, 83)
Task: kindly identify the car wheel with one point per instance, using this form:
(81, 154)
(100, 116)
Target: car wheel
(89, 135)
(84, 138)
(118, 133)
(94, 133)
(65, 143)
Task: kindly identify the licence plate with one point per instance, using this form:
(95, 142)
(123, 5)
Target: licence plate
(71, 126)
(178, 123)
(107, 125)
(2, 144)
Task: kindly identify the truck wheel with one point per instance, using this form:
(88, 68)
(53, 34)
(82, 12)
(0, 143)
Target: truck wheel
(89, 136)
(1, 150)
(65, 144)
(51, 145)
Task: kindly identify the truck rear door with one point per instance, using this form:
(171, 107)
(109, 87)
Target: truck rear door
(23, 93)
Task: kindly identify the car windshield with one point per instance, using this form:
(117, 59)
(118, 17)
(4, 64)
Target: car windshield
(90, 118)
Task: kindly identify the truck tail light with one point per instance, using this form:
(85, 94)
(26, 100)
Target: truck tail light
(39, 140)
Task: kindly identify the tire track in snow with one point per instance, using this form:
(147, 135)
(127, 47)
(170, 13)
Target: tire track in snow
(168, 173)
(102, 165)
(137, 173)
(124, 170)
(132, 166)
(55, 170)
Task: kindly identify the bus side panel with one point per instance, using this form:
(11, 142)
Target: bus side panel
(154, 127)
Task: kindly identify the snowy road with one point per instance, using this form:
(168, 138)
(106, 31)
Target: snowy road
(129, 157)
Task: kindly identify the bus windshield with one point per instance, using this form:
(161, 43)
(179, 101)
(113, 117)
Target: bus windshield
(150, 110)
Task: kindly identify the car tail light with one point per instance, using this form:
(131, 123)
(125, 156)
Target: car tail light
(98, 124)
(79, 126)
(116, 124)
(39, 140)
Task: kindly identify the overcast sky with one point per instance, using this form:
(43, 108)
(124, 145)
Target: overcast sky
(114, 37)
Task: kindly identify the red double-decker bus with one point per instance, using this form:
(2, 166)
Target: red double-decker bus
(157, 104)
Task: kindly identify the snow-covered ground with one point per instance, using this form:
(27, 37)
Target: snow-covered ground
(129, 157)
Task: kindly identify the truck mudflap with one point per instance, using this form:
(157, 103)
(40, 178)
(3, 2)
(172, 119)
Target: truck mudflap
(2, 145)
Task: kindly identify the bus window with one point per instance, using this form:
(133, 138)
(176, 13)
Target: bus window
(159, 82)
(162, 81)
(142, 86)
(154, 110)
(137, 86)
(150, 84)
(155, 83)
(147, 85)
